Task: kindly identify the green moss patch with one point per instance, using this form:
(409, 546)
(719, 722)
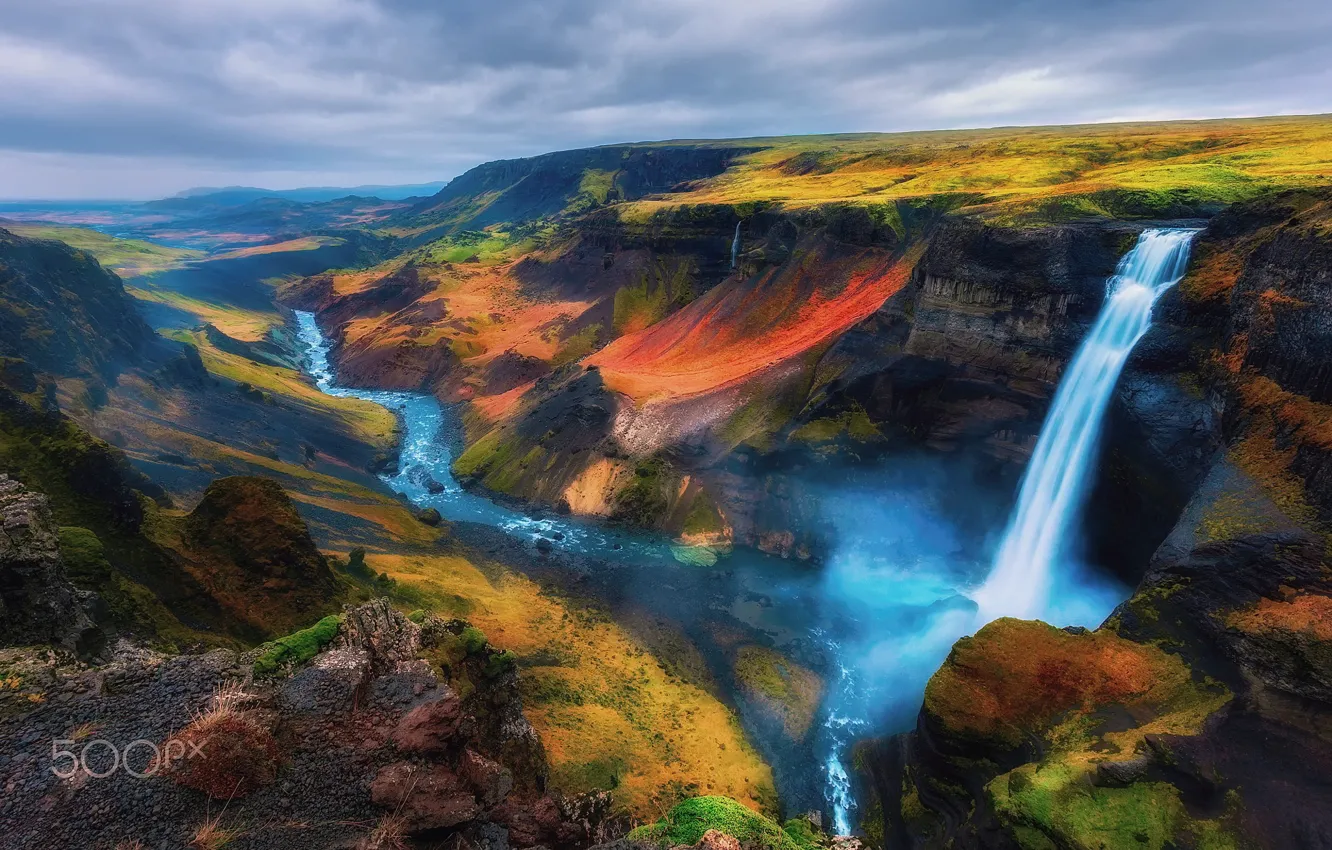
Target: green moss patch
(854, 423)
(1055, 803)
(297, 648)
(689, 820)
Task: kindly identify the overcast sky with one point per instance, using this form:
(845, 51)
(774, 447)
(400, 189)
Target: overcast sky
(142, 98)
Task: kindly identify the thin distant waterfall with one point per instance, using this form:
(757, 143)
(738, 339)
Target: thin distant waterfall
(735, 247)
(1055, 484)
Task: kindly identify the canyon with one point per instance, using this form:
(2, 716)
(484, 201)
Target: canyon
(751, 415)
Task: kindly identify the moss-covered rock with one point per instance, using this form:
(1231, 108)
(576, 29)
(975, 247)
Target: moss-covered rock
(298, 647)
(1017, 678)
(689, 820)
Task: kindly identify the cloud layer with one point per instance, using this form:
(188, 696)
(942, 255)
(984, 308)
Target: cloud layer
(144, 97)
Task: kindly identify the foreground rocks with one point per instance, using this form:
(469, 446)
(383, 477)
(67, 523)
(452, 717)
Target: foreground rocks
(366, 745)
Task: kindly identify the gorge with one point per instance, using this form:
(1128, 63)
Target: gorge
(1024, 576)
(793, 488)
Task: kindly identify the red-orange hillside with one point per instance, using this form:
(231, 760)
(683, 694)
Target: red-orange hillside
(742, 327)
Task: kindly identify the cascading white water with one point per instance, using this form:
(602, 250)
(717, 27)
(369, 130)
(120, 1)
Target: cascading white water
(1054, 486)
(735, 246)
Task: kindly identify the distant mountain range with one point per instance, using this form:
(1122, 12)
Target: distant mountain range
(236, 195)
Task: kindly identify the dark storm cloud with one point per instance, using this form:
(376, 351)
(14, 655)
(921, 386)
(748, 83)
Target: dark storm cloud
(133, 96)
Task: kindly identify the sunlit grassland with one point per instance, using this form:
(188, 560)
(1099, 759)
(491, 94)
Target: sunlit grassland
(161, 428)
(126, 257)
(1017, 172)
(494, 244)
(610, 714)
(370, 422)
(236, 322)
(302, 243)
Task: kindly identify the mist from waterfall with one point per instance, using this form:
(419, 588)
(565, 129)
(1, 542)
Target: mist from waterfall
(900, 574)
(1054, 487)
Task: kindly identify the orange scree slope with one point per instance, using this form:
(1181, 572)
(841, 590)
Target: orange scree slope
(742, 327)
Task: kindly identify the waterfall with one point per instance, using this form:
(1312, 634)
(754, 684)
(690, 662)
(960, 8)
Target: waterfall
(1054, 486)
(735, 247)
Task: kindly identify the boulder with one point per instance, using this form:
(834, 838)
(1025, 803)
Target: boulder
(431, 727)
(426, 798)
(490, 780)
(430, 517)
(334, 681)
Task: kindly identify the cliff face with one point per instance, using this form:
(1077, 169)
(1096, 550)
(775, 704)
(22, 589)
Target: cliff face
(38, 605)
(972, 351)
(1199, 700)
(716, 410)
(711, 391)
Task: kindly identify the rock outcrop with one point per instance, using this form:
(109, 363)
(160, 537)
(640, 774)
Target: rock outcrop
(250, 529)
(38, 605)
(384, 746)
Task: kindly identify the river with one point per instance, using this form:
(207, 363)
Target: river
(875, 617)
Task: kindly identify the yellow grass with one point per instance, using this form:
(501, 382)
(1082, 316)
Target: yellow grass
(236, 322)
(367, 420)
(1223, 160)
(610, 707)
(126, 257)
(303, 243)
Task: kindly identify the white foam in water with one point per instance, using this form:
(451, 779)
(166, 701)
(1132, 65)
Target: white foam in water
(915, 605)
(1054, 487)
(915, 608)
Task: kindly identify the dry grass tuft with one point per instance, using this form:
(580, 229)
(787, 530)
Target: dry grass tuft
(212, 835)
(226, 751)
(388, 834)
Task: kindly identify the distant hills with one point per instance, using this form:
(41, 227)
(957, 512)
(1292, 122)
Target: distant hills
(230, 196)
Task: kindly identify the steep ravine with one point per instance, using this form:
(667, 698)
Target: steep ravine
(956, 366)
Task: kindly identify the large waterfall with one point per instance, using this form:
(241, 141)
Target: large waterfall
(735, 247)
(1054, 486)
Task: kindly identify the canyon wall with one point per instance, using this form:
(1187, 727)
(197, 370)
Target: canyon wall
(641, 377)
(1200, 700)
